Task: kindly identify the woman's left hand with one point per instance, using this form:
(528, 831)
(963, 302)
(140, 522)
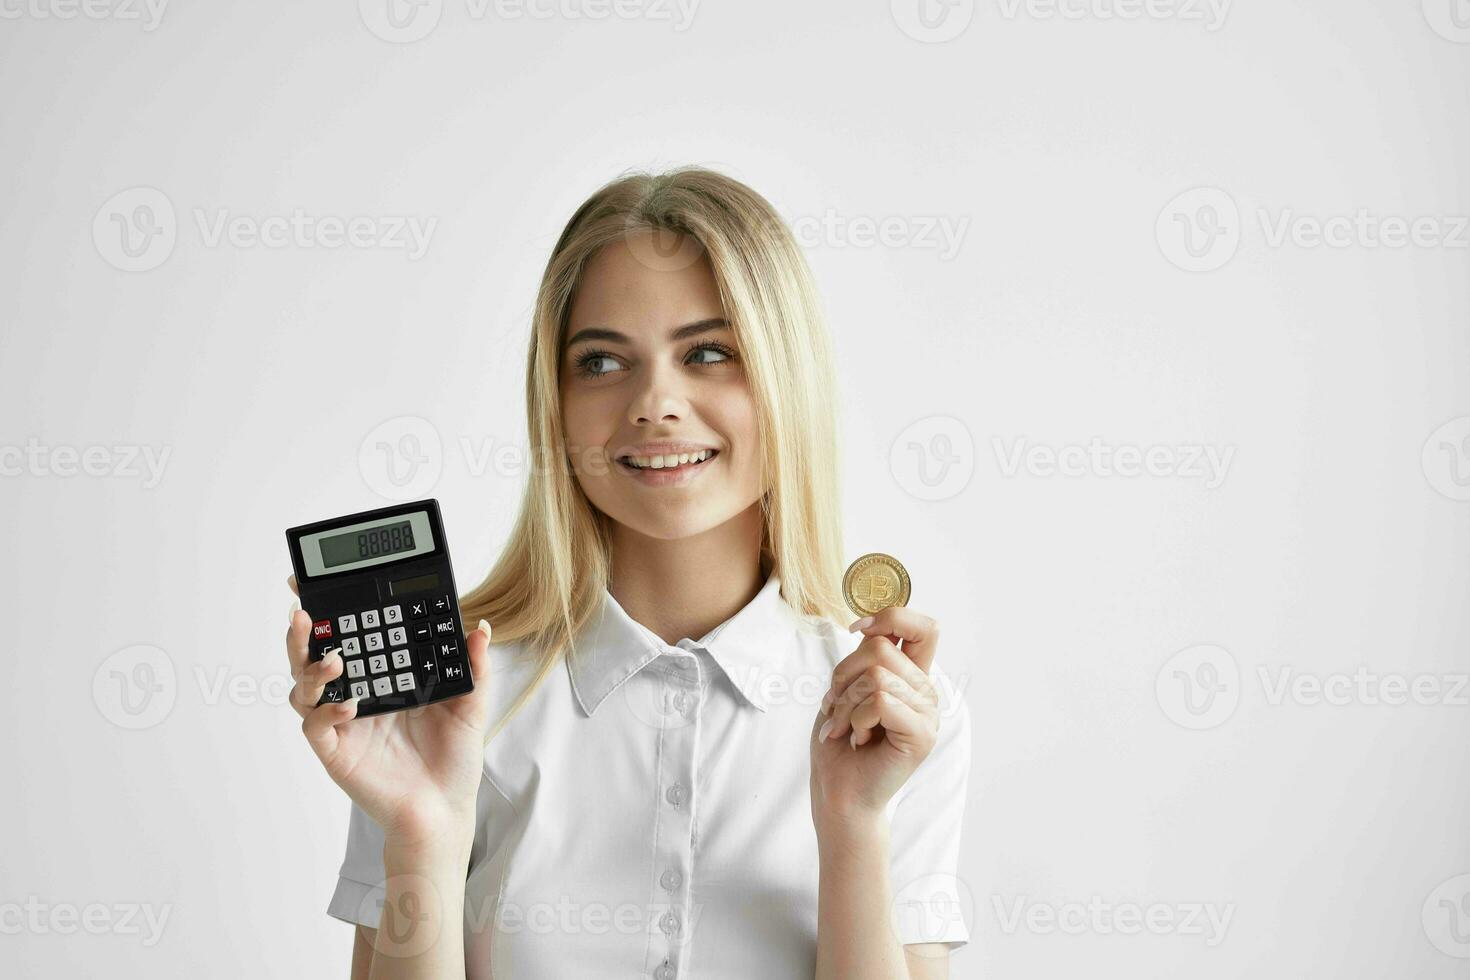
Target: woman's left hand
(880, 717)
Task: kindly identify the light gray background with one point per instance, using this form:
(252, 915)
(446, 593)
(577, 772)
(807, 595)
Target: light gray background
(1082, 610)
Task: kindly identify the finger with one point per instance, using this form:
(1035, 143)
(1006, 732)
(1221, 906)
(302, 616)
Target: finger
(900, 689)
(313, 680)
(919, 633)
(291, 583)
(298, 641)
(875, 679)
(477, 703)
(320, 727)
(908, 730)
(872, 650)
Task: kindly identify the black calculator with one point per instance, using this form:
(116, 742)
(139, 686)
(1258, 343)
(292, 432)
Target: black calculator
(379, 585)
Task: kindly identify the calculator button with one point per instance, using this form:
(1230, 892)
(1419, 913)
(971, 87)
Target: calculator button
(400, 659)
(428, 662)
(378, 664)
(418, 609)
(422, 632)
(404, 682)
(347, 624)
(370, 619)
(321, 629)
(360, 689)
(393, 614)
(442, 605)
(382, 686)
(333, 692)
(453, 672)
(443, 627)
(373, 641)
(354, 668)
(397, 636)
(351, 647)
(448, 651)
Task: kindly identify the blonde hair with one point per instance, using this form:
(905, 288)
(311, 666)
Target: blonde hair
(550, 578)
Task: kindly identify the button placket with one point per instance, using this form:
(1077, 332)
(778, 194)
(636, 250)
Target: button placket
(674, 847)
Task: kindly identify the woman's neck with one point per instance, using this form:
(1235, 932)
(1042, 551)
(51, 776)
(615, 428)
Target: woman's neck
(688, 586)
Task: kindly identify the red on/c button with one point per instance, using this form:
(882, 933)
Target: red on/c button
(321, 629)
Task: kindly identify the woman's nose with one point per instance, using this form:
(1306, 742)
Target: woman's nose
(658, 395)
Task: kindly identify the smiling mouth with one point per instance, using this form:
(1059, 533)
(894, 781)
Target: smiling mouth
(658, 467)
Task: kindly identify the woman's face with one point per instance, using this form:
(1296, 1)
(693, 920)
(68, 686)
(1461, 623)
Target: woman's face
(650, 370)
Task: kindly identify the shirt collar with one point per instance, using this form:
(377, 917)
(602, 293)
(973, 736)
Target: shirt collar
(613, 646)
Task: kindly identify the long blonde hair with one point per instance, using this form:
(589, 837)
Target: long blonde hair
(550, 578)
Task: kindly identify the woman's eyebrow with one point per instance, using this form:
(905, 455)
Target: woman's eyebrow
(679, 333)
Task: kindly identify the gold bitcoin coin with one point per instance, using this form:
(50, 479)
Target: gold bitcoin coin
(873, 582)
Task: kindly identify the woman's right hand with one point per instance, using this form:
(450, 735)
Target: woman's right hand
(416, 772)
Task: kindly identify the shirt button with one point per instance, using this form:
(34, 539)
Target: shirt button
(665, 971)
(681, 702)
(671, 880)
(669, 924)
(675, 794)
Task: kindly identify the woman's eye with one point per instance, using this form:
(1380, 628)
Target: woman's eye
(720, 355)
(586, 364)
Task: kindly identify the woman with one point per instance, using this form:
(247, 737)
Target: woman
(642, 805)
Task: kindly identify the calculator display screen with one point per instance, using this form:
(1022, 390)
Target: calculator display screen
(344, 549)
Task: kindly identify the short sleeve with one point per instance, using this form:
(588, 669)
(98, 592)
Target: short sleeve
(925, 821)
(359, 894)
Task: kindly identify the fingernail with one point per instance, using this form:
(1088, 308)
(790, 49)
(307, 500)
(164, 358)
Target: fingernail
(327, 655)
(484, 627)
(852, 739)
(822, 732)
(827, 702)
(861, 624)
(295, 608)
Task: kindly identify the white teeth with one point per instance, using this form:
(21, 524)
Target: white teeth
(669, 460)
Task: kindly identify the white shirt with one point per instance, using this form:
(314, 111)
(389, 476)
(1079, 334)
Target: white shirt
(647, 813)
